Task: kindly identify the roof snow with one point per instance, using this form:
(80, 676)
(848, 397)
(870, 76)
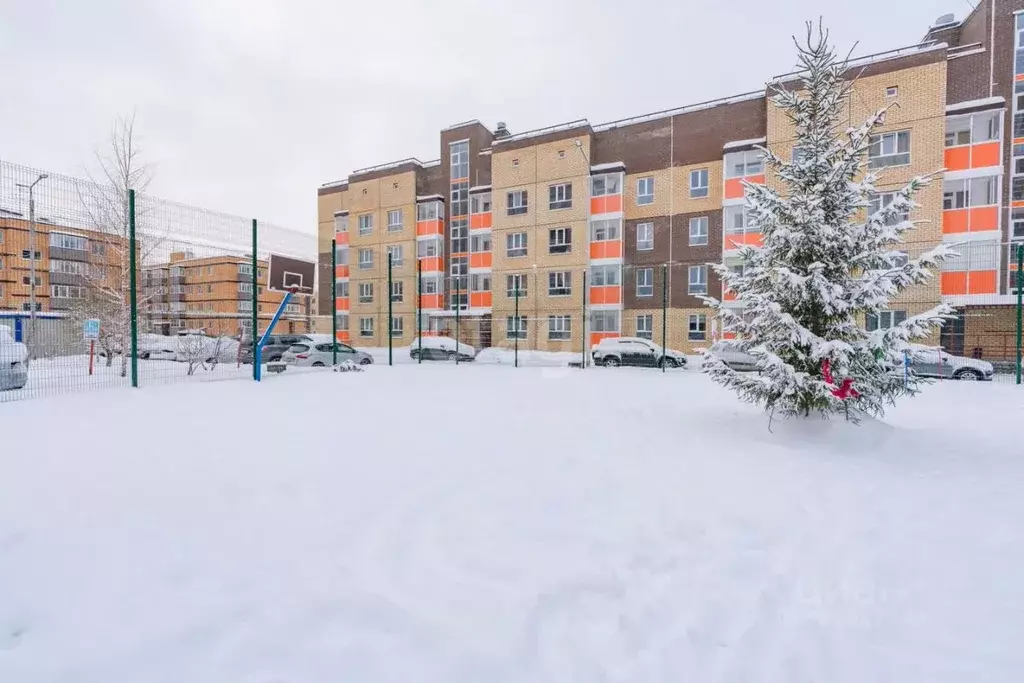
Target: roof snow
(744, 143)
(428, 197)
(479, 188)
(971, 104)
(610, 166)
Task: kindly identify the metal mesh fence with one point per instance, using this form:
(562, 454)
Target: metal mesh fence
(197, 281)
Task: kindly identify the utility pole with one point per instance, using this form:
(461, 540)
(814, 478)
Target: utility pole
(32, 259)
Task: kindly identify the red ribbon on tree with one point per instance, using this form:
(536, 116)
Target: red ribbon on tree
(845, 389)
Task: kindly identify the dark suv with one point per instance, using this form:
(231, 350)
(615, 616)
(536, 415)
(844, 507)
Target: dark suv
(275, 347)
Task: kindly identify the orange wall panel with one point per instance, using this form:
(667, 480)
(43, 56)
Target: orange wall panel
(982, 218)
(429, 227)
(431, 301)
(613, 203)
(341, 238)
(954, 221)
(748, 238)
(340, 271)
(954, 283)
(343, 335)
(480, 300)
(342, 304)
(596, 337)
(610, 249)
(431, 264)
(982, 282)
(481, 260)
(597, 205)
(985, 154)
(480, 220)
(734, 188)
(728, 295)
(957, 158)
(611, 294)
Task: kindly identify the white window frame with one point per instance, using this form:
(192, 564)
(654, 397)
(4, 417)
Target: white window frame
(397, 291)
(605, 229)
(605, 321)
(645, 326)
(645, 190)
(697, 285)
(365, 293)
(877, 145)
(515, 328)
(560, 283)
(366, 327)
(395, 220)
(605, 276)
(644, 282)
(397, 326)
(605, 184)
(697, 327)
(518, 202)
(365, 264)
(480, 203)
(699, 183)
(973, 129)
(559, 327)
(559, 196)
(699, 238)
(560, 240)
(744, 164)
(513, 279)
(396, 253)
(645, 236)
(885, 320)
(516, 242)
(365, 224)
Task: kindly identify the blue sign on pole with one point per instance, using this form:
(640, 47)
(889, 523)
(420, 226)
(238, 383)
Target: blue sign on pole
(91, 329)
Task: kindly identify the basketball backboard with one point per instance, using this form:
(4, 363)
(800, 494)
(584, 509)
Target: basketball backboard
(285, 272)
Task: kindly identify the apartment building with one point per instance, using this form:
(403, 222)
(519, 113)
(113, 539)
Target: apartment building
(597, 230)
(71, 264)
(212, 295)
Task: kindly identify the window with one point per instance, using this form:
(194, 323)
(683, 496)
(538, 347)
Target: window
(366, 224)
(365, 259)
(973, 128)
(605, 230)
(515, 328)
(517, 202)
(644, 236)
(428, 248)
(365, 292)
(514, 282)
(958, 131)
(460, 235)
(955, 195)
(560, 283)
(460, 198)
(740, 164)
(100, 249)
(892, 91)
(736, 219)
(698, 183)
(341, 222)
(959, 194)
(67, 292)
(515, 244)
(973, 255)
(515, 162)
(243, 305)
(243, 287)
(698, 231)
(480, 282)
(645, 326)
(1017, 218)
(480, 203)
(608, 183)
(480, 244)
(430, 284)
(63, 241)
(1, 262)
(428, 212)
(604, 276)
(889, 149)
(559, 327)
(698, 281)
(459, 283)
(1, 236)
(69, 267)
(604, 321)
(26, 254)
(885, 320)
(459, 160)
(28, 307)
(27, 279)
(245, 269)
(395, 255)
(560, 196)
(340, 290)
(559, 240)
(645, 282)
(395, 220)
(644, 190)
(397, 291)
(342, 321)
(366, 327)
(698, 327)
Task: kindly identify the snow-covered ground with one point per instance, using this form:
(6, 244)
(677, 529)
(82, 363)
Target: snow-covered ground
(548, 524)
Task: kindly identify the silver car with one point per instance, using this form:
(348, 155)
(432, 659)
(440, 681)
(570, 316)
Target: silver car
(318, 355)
(730, 354)
(13, 365)
(933, 362)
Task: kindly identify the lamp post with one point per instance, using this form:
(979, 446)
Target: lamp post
(32, 258)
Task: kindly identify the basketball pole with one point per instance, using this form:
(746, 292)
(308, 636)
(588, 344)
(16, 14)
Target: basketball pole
(391, 298)
(419, 309)
(255, 308)
(334, 301)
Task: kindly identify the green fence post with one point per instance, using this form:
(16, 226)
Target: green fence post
(391, 298)
(518, 326)
(664, 315)
(1020, 303)
(583, 326)
(334, 301)
(458, 306)
(255, 304)
(419, 310)
(133, 284)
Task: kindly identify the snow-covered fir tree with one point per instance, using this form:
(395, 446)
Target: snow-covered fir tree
(824, 263)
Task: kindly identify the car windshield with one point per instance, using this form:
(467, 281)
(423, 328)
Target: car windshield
(298, 348)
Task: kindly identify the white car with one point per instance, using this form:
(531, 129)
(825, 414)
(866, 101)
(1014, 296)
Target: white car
(929, 361)
(730, 354)
(13, 361)
(440, 348)
(616, 351)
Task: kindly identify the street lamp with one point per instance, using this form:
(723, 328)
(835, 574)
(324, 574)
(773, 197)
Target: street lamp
(32, 258)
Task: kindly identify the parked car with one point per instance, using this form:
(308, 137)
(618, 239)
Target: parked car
(731, 355)
(275, 347)
(928, 361)
(13, 361)
(311, 354)
(616, 351)
(441, 348)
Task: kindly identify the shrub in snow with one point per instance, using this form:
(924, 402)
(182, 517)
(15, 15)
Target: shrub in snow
(347, 366)
(824, 264)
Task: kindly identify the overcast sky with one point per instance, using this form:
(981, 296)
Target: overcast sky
(247, 106)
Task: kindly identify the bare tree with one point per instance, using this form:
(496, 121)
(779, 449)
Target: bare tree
(198, 350)
(108, 279)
